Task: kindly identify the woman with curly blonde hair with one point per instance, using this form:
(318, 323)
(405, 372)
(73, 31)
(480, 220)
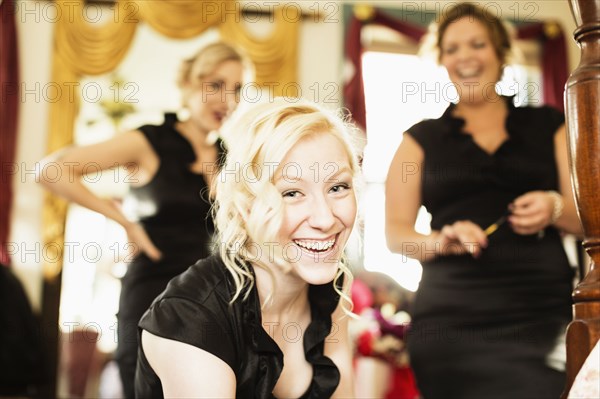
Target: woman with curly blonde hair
(264, 316)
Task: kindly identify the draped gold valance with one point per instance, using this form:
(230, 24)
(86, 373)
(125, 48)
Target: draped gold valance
(270, 55)
(182, 19)
(85, 48)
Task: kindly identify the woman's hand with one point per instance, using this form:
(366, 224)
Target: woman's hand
(460, 238)
(139, 241)
(532, 212)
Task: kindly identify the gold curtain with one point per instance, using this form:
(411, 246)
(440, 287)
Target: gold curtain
(276, 56)
(81, 48)
(182, 19)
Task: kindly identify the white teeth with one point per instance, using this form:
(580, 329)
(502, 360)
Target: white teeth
(468, 72)
(315, 245)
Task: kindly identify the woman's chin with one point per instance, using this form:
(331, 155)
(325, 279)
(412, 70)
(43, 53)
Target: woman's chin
(316, 272)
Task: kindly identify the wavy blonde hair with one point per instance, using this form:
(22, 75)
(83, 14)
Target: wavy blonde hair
(248, 207)
(194, 69)
(207, 59)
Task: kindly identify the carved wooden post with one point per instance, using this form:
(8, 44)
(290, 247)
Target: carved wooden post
(582, 108)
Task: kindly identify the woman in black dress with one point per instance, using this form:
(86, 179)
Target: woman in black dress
(264, 316)
(172, 165)
(494, 302)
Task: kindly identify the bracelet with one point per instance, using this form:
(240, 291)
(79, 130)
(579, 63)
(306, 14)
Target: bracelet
(559, 206)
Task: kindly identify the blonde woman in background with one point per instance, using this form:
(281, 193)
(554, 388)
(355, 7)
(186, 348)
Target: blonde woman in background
(265, 316)
(173, 166)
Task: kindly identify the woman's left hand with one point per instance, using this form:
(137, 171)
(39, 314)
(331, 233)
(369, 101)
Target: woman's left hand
(531, 212)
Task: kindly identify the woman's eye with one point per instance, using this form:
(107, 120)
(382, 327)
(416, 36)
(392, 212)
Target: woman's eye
(291, 194)
(214, 85)
(449, 50)
(479, 45)
(339, 188)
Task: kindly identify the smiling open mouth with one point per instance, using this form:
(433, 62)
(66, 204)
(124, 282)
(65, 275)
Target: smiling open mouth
(220, 116)
(316, 246)
(469, 72)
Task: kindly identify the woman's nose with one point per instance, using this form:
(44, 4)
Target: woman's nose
(463, 53)
(322, 216)
(232, 98)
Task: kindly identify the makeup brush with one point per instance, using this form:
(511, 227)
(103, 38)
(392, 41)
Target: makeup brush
(494, 226)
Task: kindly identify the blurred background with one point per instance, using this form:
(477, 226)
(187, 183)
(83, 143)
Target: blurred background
(88, 70)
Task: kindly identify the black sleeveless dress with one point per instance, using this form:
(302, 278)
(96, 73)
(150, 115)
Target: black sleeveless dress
(174, 209)
(486, 327)
(195, 309)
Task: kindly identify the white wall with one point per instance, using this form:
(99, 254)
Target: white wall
(35, 36)
(320, 77)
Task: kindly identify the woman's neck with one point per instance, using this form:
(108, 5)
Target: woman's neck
(194, 133)
(290, 298)
(467, 109)
(478, 95)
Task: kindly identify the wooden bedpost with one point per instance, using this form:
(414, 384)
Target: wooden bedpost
(582, 108)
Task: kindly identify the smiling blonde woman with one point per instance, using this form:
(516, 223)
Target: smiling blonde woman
(265, 316)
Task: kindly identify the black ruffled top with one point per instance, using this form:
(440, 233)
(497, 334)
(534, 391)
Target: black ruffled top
(175, 202)
(195, 309)
(461, 181)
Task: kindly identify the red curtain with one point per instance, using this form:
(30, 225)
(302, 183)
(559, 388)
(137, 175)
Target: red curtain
(9, 106)
(554, 59)
(354, 94)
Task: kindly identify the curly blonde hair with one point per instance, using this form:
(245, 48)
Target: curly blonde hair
(194, 69)
(206, 60)
(248, 207)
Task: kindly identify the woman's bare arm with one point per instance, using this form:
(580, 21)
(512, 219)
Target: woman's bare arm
(62, 172)
(534, 211)
(403, 200)
(186, 371)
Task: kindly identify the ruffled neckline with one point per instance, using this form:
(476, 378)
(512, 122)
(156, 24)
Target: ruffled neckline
(514, 123)
(326, 375)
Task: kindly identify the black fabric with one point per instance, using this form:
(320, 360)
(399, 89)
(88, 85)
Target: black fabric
(174, 209)
(484, 327)
(195, 309)
(22, 362)
(176, 200)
